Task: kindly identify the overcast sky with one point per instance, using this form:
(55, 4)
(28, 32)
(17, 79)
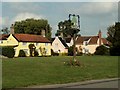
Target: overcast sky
(94, 16)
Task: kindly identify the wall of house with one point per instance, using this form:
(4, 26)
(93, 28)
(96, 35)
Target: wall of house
(11, 41)
(25, 47)
(91, 48)
(58, 47)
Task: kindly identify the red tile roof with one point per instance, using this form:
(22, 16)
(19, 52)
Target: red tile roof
(93, 40)
(30, 38)
(4, 36)
(106, 41)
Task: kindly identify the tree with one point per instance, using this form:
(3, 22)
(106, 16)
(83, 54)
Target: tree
(111, 32)
(114, 37)
(66, 28)
(32, 49)
(5, 30)
(33, 26)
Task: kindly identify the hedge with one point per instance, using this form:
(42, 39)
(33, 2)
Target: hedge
(7, 51)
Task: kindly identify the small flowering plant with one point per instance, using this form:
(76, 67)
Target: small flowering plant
(73, 63)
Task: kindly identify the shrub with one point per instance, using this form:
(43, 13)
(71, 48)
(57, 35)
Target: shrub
(115, 51)
(73, 63)
(63, 54)
(102, 50)
(36, 53)
(22, 53)
(54, 53)
(8, 51)
(79, 54)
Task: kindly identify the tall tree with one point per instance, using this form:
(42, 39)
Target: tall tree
(111, 33)
(66, 28)
(115, 39)
(33, 26)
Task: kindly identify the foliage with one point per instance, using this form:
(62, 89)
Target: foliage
(8, 51)
(63, 54)
(5, 30)
(22, 53)
(102, 50)
(43, 51)
(33, 26)
(111, 33)
(115, 48)
(66, 28)
(54, 53)
(32, 49)
(52, 70)
(36, 53)
(73, 63)
(79, 54)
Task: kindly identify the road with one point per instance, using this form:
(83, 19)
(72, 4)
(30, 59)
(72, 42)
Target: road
(109, 84)
(105, 84)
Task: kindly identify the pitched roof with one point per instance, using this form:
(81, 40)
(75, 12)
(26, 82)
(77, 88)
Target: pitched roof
(93, 40)
(63, 42)
(106, 41)
(30, 38)
(4, 36)
(81, 39)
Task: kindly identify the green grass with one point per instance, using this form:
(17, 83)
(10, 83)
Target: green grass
(23, 72)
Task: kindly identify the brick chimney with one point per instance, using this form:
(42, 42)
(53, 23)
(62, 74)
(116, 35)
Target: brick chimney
(100, 36)
(12, 29)
(43, 32)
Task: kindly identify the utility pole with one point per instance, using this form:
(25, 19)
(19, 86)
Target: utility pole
(76, 25)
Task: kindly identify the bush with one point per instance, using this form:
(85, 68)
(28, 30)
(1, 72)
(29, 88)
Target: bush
(36, 53)
(73, 63)
(115, 51)
(79, 54)
(8, 51)
(22, 53)
(102, 50)
(53, 53)
(63, 54)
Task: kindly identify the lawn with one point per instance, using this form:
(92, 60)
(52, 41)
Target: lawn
(23, 72)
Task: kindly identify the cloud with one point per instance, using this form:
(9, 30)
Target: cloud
(23, 16)
(3, 20)
(94, 8)
(60, 1)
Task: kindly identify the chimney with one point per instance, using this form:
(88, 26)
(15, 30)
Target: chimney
(100, 36)
(12, 29)
(43, 32)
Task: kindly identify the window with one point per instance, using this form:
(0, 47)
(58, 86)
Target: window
(37, 44)
(24, 43)
(46, 50)
(56, 45)
(1, 41)
(46, 44)
(85, 43)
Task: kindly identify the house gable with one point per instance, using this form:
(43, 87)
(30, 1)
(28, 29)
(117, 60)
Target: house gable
(58, 46)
